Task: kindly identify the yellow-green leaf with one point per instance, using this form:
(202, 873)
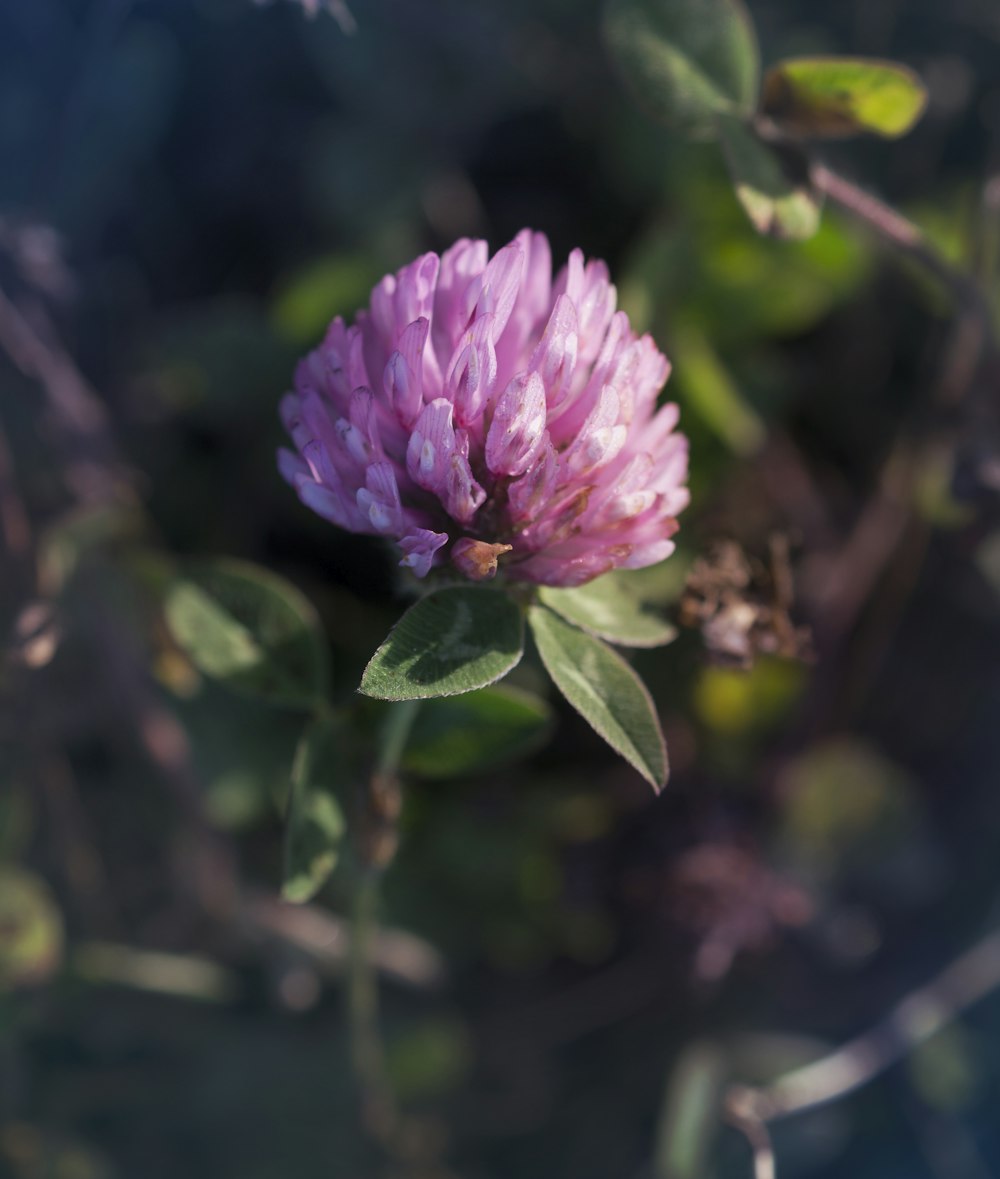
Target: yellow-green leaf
(834, 97)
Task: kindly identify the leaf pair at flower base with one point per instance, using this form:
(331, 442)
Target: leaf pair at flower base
(459, 639)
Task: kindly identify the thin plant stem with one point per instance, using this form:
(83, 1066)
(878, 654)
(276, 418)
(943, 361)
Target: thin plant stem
(367, 1052)
(898, 231)
(380, 807)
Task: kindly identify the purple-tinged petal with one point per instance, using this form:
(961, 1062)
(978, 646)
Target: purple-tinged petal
(496, 291)
(431, 445)
(472, 372)
(463, 495)
(601, 438)
(461, 266)
(379, 499)
(331, 505)
(421, 547)
(291, 467)
(528, 495)
(517, 431)
(414, 296)
(402, 389)
(555, 356)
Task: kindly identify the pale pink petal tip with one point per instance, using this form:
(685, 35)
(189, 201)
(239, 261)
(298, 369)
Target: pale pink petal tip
(485, 412)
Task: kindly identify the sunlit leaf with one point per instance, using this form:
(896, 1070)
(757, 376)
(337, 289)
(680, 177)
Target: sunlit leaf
(772, 183)
(611, 608)
(315, 822)
(605, 690)
(452, 641)
(477, 731)
(686, 61)
(251, 630)
(842, 96)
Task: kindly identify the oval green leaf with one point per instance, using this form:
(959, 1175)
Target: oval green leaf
(452, 641)
(604, 690)
(772, 183)
(686, 60)
(835, 97)
(475, 732)
(249, 629)
(315, 824)
(610, 608)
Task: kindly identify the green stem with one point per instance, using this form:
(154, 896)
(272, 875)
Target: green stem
(378, 821)
(367, 1053)
(395, 733)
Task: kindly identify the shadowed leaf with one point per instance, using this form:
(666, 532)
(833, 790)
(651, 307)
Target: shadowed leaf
(249, 629)
(315, 825)
(475, 732)
(452, 641)
(686, 60)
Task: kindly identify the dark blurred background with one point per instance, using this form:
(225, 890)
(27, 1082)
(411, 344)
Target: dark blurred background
(189, 191)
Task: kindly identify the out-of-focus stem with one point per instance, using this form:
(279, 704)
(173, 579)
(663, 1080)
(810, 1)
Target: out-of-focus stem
(377, 838)
(895, 229)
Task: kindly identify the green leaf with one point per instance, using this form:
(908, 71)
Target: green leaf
(611, 608)
(772, 183)
(467, 734)
(452, 641)
(711, 391)
(31, 930)
(250, 630)
(315, 823)
(333, 285)
(833, 97)
(604, 690)
(686, 61)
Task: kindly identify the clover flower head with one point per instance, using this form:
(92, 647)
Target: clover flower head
(481, 412)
